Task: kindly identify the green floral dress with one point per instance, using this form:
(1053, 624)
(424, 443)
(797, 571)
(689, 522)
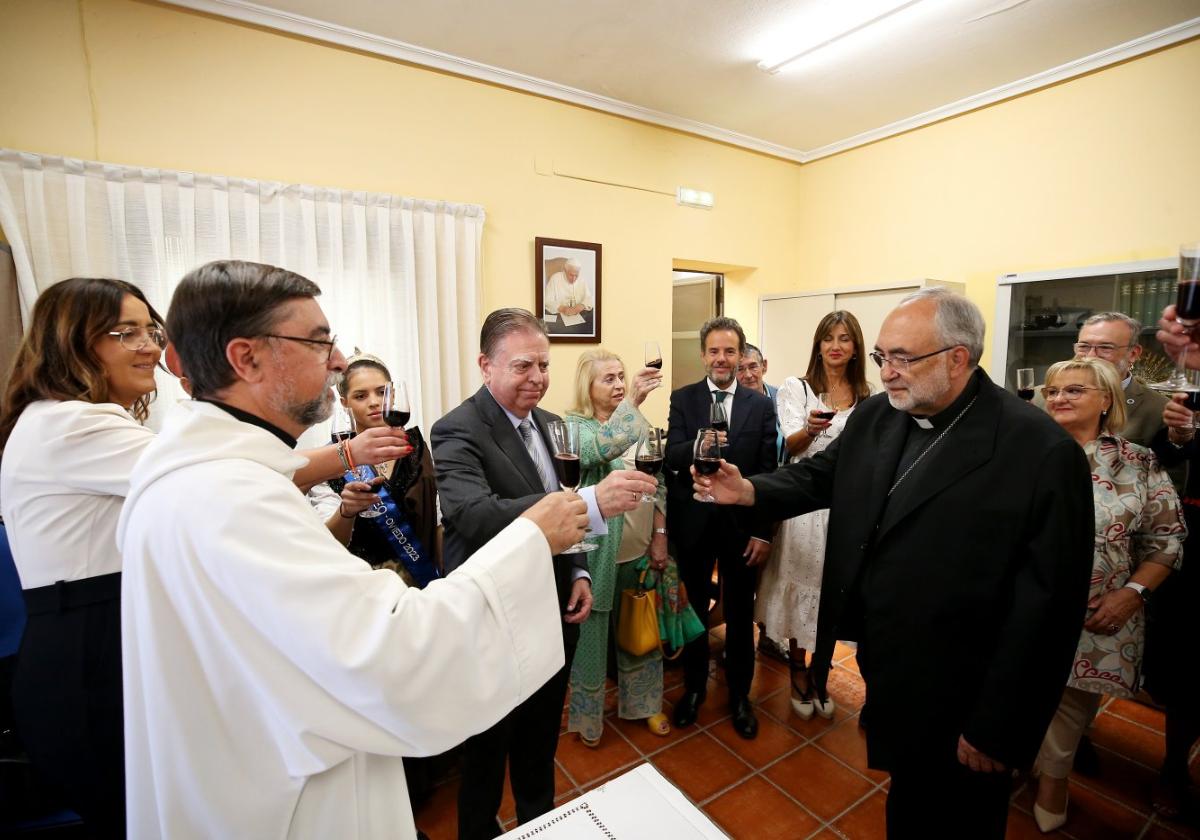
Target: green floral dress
(1138, 520)
(639, 678)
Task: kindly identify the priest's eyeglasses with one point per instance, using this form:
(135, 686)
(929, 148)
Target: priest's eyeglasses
(329, 344)
(902, 362)
(134, 339)
(1071, 392)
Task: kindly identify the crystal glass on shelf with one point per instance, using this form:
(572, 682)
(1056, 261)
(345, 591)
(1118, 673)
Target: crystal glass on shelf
(1187, 311)
(564, 440)
(1025, 383)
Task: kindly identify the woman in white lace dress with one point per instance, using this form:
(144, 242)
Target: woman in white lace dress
(789, 591)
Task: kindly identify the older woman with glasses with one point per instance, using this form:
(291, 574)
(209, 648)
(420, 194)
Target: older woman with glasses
(1139, 540)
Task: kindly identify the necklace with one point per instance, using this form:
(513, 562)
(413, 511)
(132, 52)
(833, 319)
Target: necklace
(936, 441)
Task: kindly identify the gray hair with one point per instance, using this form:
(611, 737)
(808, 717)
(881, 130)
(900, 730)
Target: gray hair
(502, 322)
(221, 301)
(750, 348)
(1135, 326)
(722, 323)
(957, 320)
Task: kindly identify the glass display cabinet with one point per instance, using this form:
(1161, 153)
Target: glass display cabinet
(1038, 313)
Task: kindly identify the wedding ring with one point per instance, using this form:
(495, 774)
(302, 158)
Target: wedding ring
(1113, 628)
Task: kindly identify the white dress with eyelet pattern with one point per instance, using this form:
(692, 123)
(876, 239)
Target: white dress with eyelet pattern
(789, 591)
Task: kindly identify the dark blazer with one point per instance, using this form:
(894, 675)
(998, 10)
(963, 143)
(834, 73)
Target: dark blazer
(967, 590)
(486, 479)
(751, 447)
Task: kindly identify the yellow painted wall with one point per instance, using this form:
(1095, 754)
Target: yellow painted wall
(181, 90)
(1103, 168)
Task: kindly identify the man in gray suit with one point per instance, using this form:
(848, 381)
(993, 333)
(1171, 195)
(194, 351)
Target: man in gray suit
(494, 460)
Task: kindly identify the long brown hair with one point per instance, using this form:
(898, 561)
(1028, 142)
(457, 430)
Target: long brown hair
(57, 359)
(855, 373)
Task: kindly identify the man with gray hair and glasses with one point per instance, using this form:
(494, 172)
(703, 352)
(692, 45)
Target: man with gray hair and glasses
(959, 557)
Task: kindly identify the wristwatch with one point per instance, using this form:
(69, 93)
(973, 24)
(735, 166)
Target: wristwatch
(1140, 590)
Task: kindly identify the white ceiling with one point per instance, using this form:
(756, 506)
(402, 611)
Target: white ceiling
(691, 64)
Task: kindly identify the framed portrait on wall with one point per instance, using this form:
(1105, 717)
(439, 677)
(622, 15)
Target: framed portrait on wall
(568, 289)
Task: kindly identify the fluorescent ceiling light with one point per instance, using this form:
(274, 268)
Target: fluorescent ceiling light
(827, 23)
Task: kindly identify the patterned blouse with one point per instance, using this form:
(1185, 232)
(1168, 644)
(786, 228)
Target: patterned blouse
(1138, 520)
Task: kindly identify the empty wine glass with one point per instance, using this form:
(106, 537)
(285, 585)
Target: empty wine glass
(649, 456)
(564, 440)
(706, 456)
(364, 472)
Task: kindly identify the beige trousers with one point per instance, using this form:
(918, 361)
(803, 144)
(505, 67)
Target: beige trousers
(1075, 713)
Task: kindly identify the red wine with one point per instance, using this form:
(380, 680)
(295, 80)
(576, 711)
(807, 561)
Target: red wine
(567, 469)
(1192, 403)
(650, 466)
(395, 419)
(1187, 307)
(1025, 393)
(338, 437)
(719, 425)
(706, 466)
(657, 363)
(826, 415)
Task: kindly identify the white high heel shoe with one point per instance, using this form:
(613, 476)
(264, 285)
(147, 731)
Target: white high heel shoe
(824, 708)
(1048, 821)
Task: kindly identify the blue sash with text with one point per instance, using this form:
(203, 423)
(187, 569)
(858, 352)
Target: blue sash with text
(400, 537)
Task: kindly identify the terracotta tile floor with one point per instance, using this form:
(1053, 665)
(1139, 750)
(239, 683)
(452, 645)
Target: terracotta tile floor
(802, 779)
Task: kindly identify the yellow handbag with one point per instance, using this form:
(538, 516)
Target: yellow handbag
(637, 630)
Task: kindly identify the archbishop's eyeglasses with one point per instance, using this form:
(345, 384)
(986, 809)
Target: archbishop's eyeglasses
(328, 343)
(1071, 392)
(902, 362)
(134, 339)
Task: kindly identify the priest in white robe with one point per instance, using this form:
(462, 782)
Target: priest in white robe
(272, 680)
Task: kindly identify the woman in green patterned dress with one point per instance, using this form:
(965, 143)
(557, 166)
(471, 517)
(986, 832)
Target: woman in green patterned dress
(609, 429)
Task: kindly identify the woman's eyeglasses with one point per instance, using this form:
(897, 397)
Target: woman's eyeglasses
(134, 339)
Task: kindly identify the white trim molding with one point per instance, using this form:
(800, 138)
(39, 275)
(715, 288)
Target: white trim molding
(253, 13)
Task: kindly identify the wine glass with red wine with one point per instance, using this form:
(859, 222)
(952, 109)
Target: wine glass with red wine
(706, 456)
(396, 408)
(1187, 312)
(340, 424)
(653, 355)
(1025, 383)
(649, 456)
(826, 410)
(564, 440)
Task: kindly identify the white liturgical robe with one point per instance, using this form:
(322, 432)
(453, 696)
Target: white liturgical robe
(273, 680)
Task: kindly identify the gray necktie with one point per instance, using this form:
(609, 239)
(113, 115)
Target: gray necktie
(526, 429)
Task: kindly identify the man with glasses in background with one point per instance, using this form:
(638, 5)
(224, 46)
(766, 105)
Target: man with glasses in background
(959, 557)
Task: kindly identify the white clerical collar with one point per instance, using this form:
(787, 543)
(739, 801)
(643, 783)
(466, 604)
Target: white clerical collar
(923, 422)
(730, 390)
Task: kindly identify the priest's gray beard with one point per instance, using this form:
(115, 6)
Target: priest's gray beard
(923, 392)
(306, 412)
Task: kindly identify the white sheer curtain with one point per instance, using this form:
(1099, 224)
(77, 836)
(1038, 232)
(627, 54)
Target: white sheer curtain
(400, 277)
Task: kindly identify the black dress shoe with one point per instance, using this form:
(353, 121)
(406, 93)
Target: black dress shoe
(689, 705)
(744, 721)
